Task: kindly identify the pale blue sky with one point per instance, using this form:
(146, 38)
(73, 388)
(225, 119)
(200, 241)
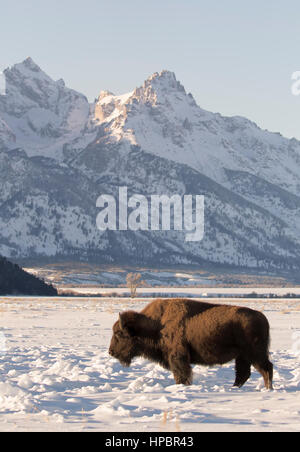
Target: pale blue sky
(235, 56)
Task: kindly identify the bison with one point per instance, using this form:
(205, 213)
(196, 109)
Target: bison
(179, 332)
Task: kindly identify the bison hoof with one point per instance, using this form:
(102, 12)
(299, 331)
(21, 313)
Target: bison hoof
(237, 385)
(184, 381)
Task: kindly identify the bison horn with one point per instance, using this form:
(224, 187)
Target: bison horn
(121, 321)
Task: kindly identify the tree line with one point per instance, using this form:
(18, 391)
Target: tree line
(15, 281)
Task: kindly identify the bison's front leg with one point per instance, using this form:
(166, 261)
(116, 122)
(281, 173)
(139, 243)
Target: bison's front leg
(180, 366)
(243, 371)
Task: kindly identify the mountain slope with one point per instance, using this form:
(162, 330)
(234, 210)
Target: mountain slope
(15, 281)
(58, 154)
(39, 114)
(163, 119)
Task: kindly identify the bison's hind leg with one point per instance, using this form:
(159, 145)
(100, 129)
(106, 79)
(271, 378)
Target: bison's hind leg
(265, 367)
(242, 371)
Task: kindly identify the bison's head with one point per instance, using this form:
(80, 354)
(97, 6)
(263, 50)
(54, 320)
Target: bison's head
(129, 334)
(122, 345)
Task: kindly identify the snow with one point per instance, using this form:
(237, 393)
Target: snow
(41, 115)
(116, 109)
(56, 374)
(167, 123)
(122, 99)
(135, 140)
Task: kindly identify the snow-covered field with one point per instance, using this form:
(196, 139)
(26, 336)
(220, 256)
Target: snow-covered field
(56, 374)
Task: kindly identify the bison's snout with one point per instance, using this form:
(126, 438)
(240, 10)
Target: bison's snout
(125, 361)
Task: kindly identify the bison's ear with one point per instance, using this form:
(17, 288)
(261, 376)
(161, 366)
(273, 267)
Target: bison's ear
(127, 322)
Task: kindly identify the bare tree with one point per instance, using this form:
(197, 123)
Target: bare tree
(133, 282)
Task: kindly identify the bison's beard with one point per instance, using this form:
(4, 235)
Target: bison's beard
(125, 362)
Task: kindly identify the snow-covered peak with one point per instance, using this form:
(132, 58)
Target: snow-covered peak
(109, 107)
(28, 65)
(164, 80)
(161, 88)
(168, 78)
(104, 94)
(42, 113)
(158, 86)
(44, 117)
(162, 119)
(28, 86)
(161, 95)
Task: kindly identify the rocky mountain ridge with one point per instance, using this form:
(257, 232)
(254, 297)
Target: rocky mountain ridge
(58, 153)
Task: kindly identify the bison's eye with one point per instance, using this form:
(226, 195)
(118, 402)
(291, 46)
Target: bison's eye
(121, 335)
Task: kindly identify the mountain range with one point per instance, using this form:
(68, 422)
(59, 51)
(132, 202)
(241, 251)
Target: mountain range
(59, 152)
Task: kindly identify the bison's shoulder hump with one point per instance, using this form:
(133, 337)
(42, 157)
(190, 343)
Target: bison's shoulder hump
(171, 308)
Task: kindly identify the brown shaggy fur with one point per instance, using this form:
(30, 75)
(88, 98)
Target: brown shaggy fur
(178, 332)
